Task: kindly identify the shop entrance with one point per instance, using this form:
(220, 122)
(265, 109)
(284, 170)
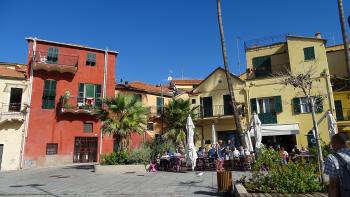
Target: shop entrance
(85, 150)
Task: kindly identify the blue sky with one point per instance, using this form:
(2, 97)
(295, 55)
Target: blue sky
(156, 37)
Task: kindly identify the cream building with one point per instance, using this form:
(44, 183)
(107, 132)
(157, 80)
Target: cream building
(285, 115)
(13, 95)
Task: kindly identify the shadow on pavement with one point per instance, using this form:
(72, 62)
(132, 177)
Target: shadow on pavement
(81, 167)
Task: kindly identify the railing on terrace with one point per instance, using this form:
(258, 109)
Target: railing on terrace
(80, 104)
(265, 41)
(155, 111)
(343, 115)
(214, 111)
(56, 59)
(12, 110)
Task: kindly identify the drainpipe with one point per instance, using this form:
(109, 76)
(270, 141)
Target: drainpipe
(330, 93)
(29, 98)
(103, 95)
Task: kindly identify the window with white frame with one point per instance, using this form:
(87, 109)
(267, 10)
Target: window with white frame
(304, 105)
(265, 105)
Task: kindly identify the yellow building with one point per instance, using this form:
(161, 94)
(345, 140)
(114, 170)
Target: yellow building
(13, 95)
(286, 118)
(341, 89)
(153, 97)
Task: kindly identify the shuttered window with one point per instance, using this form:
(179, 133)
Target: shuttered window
(51, 149)
(52, 56)
(91, 59)
(89, 91)
(302, 105)
(262, 66)
(207, 106)
(228, 110)
(150, 126)
(160, 103)
(267, 108)
(49, 94)
(309, 53)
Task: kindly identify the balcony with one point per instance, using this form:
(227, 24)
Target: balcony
(61, 63)
(79, 105)
(154, 111)
(11, 112)
(214, 111)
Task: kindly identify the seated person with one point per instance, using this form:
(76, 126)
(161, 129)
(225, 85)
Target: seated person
(241, 151)
(236, 152)
(212, 152)
(200, 152)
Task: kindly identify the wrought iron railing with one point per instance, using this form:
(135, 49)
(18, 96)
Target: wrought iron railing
(58, 59)
(77, 104)
(12, 110)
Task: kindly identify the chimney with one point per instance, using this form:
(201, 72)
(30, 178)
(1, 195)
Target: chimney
(318, 35)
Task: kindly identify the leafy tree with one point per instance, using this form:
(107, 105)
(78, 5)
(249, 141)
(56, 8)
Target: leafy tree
(123, 115)
(175, 118)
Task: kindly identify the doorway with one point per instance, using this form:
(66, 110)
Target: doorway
(85, 149)
(15, 99)
(1, 153)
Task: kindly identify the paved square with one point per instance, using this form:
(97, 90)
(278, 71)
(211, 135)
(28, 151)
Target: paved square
(82, 181)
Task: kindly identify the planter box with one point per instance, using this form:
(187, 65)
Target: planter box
(240, 191)
(119, 168)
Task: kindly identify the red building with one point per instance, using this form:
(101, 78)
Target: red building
(67, 82)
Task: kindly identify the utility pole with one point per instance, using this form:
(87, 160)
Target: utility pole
(228, 76)
(345, 36)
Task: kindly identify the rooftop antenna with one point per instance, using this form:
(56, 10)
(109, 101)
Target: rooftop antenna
(238, 56)
(170, 78)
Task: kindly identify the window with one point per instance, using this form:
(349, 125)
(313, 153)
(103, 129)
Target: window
(193, 101)
(150, 126)
(262, 66)
(52, 56)
(338, 110)
(207, 106)
(89, 95)
(90, 59)
(15, 99)
(309, 53)
(49, 94)
(266, 104)
(88, 127)
(51, 149)
(228, 110)
(160, 103)
(301, 105)
(138, 97)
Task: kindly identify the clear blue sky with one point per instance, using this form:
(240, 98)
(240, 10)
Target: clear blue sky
(156, 36)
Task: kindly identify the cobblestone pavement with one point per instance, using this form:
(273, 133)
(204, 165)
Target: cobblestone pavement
(83, 181)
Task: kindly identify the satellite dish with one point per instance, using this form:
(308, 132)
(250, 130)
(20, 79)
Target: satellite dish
(170, 78)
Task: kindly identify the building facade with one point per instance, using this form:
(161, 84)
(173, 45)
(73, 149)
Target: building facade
(154, 98)
(13, 95)
(340, 84)
(283, 110)
(67, 82)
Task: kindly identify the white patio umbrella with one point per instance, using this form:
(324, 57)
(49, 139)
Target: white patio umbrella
(248, 140)
(255, 123)
(332, 125)
(213, 134)
(192, 153)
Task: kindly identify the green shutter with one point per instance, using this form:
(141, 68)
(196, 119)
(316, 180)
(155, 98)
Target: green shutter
(278, 103)
(52, 55)
(160, 102)
(89, 90)
(254, 107)
(98, 95)
(296, 105)
(49, 94)
(309, 53)
(318, 104)
(228, 110)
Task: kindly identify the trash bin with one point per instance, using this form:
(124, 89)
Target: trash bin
(224, 180)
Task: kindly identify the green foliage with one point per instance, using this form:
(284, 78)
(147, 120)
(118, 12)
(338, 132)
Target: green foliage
(141, 155)
(175, 117)
(158, 147)
(291, 178)
(115, 158)
(326, 150)
(268, 159)
(123, 115)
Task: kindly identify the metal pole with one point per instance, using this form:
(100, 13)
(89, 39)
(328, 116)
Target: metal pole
(317, 136)
(345, 36)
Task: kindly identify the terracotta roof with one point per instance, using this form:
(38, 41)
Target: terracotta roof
(186, 81)
(144, 87)
(7, 72)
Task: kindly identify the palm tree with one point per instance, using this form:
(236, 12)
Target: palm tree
(228, 75)
(175, 117)
(345, 36)
(122, 116)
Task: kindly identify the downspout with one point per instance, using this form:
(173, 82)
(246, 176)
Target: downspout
(330, 93)
(103, 95)
(29, 98)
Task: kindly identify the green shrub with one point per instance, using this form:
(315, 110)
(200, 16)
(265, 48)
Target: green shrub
(158, 147)
(326, 150)
(115, 158)
(141, 155)
(291, 178)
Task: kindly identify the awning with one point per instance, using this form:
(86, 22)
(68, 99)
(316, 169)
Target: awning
(278, 129)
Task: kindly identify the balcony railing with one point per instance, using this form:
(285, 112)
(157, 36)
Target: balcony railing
(80, 104)
(61, 62)
(214, 111)
(155, 111)
(12, 111)
(343, 115)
